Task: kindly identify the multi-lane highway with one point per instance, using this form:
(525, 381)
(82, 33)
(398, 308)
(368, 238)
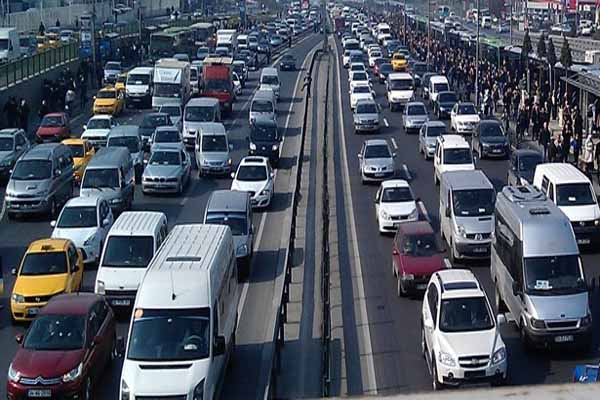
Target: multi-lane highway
(393, 322)
(256, 294)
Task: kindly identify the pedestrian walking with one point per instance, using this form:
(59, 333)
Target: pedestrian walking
(307, 84)
(588, 155)
(44, 109)
(545, 137)
(24, 115)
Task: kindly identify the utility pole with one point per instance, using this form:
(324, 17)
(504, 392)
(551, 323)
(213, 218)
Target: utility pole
(404, 22)
(93, 43)
(510, 24)
(428, 33)
(477, 58)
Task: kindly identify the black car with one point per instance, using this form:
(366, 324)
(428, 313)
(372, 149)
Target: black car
(418, 69)
(444, 104)
(287, 63)
(150, 122)
(522, 166)
(489, 140)
(264, 140)
(264, 46)
(384, 70)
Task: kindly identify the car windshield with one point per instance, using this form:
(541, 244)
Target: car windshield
(440, 87)
(164, 158)
(214, 143)
(553, 275)
(262, 106)
(270, 80)
(128, 251)
(98, 123)
(6, 144)
(528, 163)
(218, 85)
(356, 58)
(386, 67)
(107, 94)
(100, 178)
(261, 132)
(167, 136)
(153, 121)
(167, 89)
(419, 68)
(424, 245)
(252, 173)
(32, 170)
(170, 335)
(361, 89)
(458, 156)
(574, 194)
(112, 66)
(131, 142)
(359, 76)
(490, 130)
(138, 79)
(173, 111)
(77, 217)
(377, 151)
(473, 202)
(466, 109)
(435, 131)
(447, 98)
(199, 114)
(52, 121)
(236, 222)
(396, 195)
(465, 314)
(417, 109)
(56, 332)
(47, 263)
(194, 74)
(401, 84)
(366, 108)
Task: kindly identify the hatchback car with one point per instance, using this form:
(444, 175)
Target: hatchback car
(522, 166)
(416, 256)
(82, 152)
(152, 121)
(255, 176)
(13, 144)
(376, 161)
(167, 136)
(265, 140)
(86, 222)
(444, 104)
(414, 116)
(287, 63)
(65, 349)
(168, 171)
(464, 118)
(394, 204)
(110, 101)
(54, 127)
(366, 116)
(175, 112)
(428, 135)
(49, 267)
(489, 140)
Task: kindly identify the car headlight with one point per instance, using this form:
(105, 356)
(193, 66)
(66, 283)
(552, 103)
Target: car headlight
(13, 374)
(124, 390)
(414, 214)
(242, 250)
(275, 147)
(537, 323)
(461, 231)
(100, 288)
(499, 355)
(384, 214)
(18, 298)
(90, 240)
(205, 162)
(446, 359)
(597, 222)
(73, 374)
(116, 201)
(408, 277)
(10, 193)
(42, 193)
(586, 321)
(6, 162)
(252, 146)
(265, 192)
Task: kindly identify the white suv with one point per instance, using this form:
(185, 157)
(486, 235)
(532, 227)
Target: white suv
(255, 176)
(452, 153)
(460, 340)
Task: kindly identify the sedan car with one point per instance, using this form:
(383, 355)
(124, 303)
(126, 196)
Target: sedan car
(522, 166)
(384, 70)
(65, 349)
(54, 127)
(276, 41)
(415, 257)
(168, 171)
(360, 92)
(464, 118)
(366, 116)
(13, 144)
(86, 222)
(287, 63)
(97, 128)
(376, 161)
(374, 55)
(166, 136)
(489, 140)
(359, 78)
(255, 176)
(152, 121)
(414, 116)
(399, 62)
(428, 135)
(82, 152)
(112, 70)
(394, 204)
(444, 104)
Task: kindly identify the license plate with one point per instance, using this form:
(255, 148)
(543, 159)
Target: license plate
(563, 338)
(421, 286)
(39, 393)
(378, 174)
(216, 169)
(121, 302)
(497, 151)
(583, 241)
(480, 250)
(33, 311)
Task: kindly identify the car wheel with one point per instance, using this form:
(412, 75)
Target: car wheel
(434, 376)
(435, 179)
(452, 253)
(401, 289)
(500, 305)
(423, 343)
(524, 338)
(87, 390)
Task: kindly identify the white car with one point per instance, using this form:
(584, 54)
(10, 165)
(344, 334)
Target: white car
(360, 92)
(175, 111)
(394, 204)
(374, 56)
(452, 153)
(357, 67)
(255, 176)
(86, 222)
(237, 84)
(97, 128)
(464, 118)
(460, 339)
(359, 78)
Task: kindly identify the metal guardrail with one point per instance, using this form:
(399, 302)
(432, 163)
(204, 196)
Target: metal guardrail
(25, 68)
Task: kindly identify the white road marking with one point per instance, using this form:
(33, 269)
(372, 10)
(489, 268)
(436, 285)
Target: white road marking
(3, 208)
(368, 351)
(407, 173)
(395, 144)
(386, 123)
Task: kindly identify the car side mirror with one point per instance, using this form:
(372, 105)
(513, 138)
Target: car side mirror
(272, 174)
(145, 161)
(53, 223)
(106, 222)
(120, 346)
(448, 212)
(428, 323)
(516, 289)
(219, 346)
(19, 338)
(395, 252)
(359, 155)
(501, 319)
(84, 127)
(94, 97)
(75, 268)
(232, 175)
(394, 155)
(57, 172)
(13, 272)
(230, 147)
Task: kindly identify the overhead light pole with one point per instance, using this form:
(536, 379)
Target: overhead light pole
(404, 19)
(510, 23)
(477, 58)
(428, 33)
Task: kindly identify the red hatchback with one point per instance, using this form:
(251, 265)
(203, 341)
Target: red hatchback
(415, 256)
(54, 127)
(64, 351)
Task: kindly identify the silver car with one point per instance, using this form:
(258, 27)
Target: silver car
(414, 116)
(175, 111)
(13, 144)
(168, 171)
(366, 116)
(428, 137)
(376, 161)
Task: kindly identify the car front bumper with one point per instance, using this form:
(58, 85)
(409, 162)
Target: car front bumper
(25, 311)
(587, 234)
(495, 151)
(260, 200)
(376, 176)
(391, 225)
(57, 390)
(215, 169)
(27, 206)
(374, 127)
(160, 187)
(457, 376)
(545, 338)
(472, 249)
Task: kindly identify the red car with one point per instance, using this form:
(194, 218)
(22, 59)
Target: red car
(415, 257)
(64, 351)
(54, 127)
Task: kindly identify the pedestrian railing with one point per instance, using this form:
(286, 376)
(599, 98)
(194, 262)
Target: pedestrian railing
(25, 68)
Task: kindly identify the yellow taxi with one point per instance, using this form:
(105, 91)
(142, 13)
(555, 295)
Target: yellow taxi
(82, 152)
(52, 39)
(120, 84)
(399, 62)
(109, 101)
(49, 267)
(41, 43)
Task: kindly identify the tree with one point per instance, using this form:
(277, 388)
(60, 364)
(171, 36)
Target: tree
(551, 57)
(525, 51)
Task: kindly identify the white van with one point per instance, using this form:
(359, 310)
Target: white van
(452, 153)
(130, 244)
(400, 89)
(10, 47)
(437, 84)
(182, 330)
(242, 42)
(569, 188)
(138, 87)
(269, 79)
(262, 106)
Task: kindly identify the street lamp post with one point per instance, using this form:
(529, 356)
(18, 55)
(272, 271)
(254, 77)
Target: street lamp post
(510, 24)
(404, 22)
(477, 58)
(428, 33)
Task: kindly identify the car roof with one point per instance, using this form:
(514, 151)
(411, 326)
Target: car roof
(163, 128)
(48, 245)
(415, 228)
(155, 114)
(165, 147)
(202, 101)
(74, 141)
(124, 130)
(467, 180)
(416, 103)
(528, 152)
(438, 79)
(453, 141)
(394, 183)
(561, 173)
(10, 131)
(227, 201)
(435, 123)
(254, 160)
(376, 142)
(458, 283)
(70, 304)
(101, 116)
(55, 114)
(213, 128)
(82, 201)
(42, 151)
(367, 100)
